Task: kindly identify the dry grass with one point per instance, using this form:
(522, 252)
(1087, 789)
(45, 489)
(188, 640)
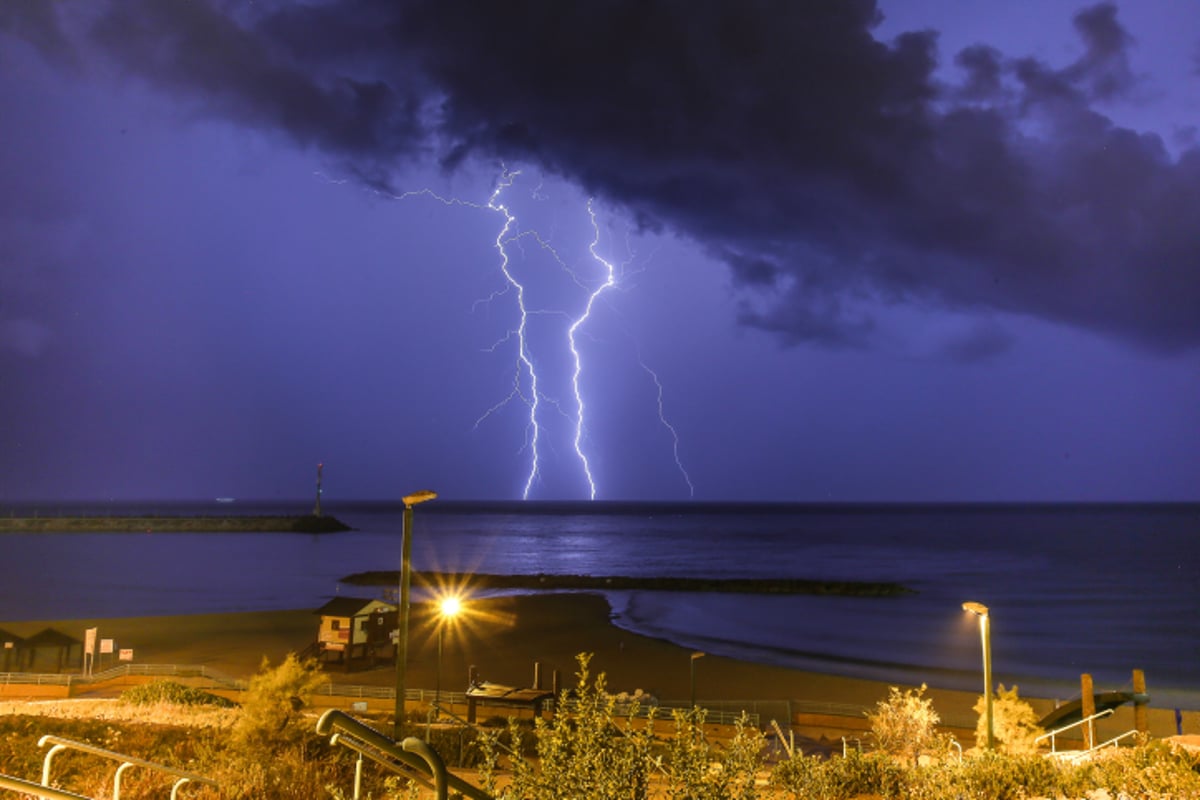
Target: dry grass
(116, 710)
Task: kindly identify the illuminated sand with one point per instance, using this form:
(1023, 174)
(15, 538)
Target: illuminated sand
(503, 637)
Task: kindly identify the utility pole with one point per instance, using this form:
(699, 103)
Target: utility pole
(317, 508)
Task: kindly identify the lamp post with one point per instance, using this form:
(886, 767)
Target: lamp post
(695, 656)
(447, 610)
(980, 610)
(402, 609)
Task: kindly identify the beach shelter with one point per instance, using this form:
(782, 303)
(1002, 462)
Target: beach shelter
(50, 646)
(355, 627)
(11, 646)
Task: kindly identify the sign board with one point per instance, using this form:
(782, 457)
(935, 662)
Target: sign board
(360, 706)
(89, 641)
(125, 654)
(9, 645)
(106, 646)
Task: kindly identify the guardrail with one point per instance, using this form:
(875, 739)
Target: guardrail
(31, 789)
(38, 678)
(411, 757)
(1089, 721)
(59, 744)
(123, 671)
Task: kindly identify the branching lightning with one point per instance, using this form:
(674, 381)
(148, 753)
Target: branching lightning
(609, 281)
(506, 180)
(662, 418)
(526, 382)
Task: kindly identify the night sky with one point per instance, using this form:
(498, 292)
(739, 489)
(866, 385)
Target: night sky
(914, 251)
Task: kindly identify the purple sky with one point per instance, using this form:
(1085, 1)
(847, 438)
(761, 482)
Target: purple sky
(927, 251)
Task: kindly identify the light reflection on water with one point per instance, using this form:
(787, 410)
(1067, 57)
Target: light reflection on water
(1098, 590)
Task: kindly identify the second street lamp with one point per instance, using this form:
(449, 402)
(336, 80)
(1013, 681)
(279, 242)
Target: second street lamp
(695, 656)
(448, 609)
(402, 608)
(980, 610)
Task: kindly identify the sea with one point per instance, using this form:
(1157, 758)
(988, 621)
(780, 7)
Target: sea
(1101, 589)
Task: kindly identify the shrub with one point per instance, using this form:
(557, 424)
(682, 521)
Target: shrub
(173, 693)
(581, 751)
(272, 702)
(905, 725)
(1014, 722)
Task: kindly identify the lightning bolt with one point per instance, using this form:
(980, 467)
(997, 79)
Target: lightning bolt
(510, 235)
(609, 280)
(662, 418)
(523, 355)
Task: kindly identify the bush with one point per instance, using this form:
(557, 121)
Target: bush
(1014, 722)
(905, 725)
(272, 703)
(174, 694)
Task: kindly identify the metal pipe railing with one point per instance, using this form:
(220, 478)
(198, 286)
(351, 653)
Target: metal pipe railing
(59, 744)
(1085, 721)
(411, 754)
(32, 789)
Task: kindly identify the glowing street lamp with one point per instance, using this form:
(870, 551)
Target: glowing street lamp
(402, 612)
(980, 610)
(448, 609)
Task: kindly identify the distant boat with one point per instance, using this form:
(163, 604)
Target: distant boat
(224, 499)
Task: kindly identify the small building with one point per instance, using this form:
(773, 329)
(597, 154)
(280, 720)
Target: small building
(355, 629)
(495, 694)
(11, 647)
(50, 646)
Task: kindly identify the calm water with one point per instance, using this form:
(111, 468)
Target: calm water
(1071, 589)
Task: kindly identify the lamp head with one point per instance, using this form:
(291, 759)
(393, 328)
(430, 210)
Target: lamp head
(976, 608)
(411, 500)
(450, 606)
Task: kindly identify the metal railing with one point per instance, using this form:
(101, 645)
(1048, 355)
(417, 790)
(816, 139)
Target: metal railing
(411, 757)
(123, 671)
(1089, 721)
(59, 744)
(38, 678)
(32, 789)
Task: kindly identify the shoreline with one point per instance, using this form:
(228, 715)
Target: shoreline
(550, 582)
(505, 636)
(158, 523)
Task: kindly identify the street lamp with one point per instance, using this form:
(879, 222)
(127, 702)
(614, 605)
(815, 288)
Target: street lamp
(980, 610)
(402, 611)
(696, 655)
(447, 610)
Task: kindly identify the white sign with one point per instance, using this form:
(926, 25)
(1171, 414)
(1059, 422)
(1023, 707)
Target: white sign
(89, 641)
(106, 646)
(125, 655)
(8, 645)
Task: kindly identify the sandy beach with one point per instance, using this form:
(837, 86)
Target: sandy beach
(503, 637)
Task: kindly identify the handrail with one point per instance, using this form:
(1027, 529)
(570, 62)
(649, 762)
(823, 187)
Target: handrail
(60, 744)
(1113, 741)
(1075, 756)
(1106, 712)
(411, 753)
(37, 790)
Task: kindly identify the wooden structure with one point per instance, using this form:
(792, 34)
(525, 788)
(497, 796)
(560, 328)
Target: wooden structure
(355, 629)
(494, 694)
(67, 651)
(11, 649)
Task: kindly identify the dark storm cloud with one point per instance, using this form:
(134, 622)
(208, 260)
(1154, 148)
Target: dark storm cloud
(251, 75)
(36, 22)
(829, 169)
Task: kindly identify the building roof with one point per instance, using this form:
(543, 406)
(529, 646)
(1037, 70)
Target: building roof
(6, 636)
(508, 694)
(348, 606)
(49, 637)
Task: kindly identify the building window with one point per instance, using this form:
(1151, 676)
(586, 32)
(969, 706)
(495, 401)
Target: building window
(335, 625)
